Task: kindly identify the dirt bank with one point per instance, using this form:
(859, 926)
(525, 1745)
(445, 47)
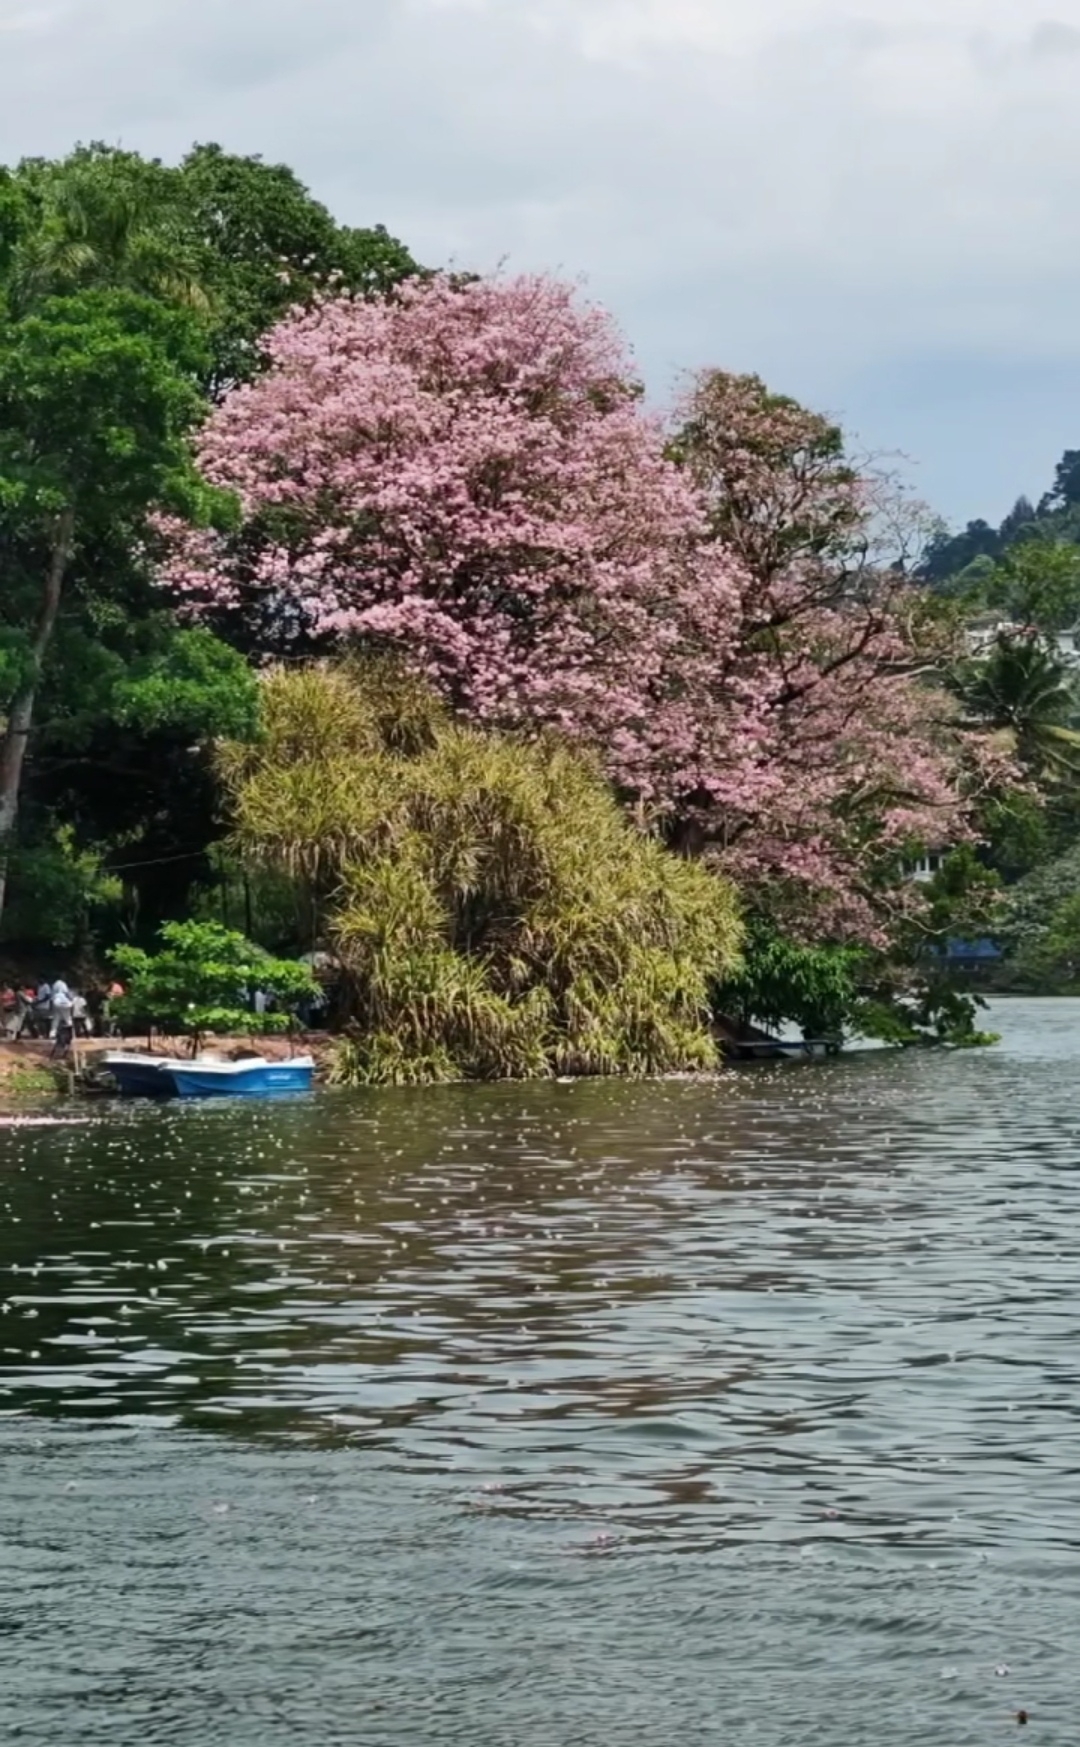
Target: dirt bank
(28, 1062)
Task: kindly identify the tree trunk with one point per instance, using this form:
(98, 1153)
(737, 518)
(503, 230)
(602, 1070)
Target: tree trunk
(21, 717)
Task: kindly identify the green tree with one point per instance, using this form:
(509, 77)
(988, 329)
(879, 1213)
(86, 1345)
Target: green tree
(129, 707)
(1020, 830)
(1036, 583)
(1022, 690)
(1064, 494)
(948, 556)
(784, 981)
(96, 399)
(909, 994)
(239, 239)
(203, 978)
(108, 702)
(1029, 912)
(1048, 958)
(959, 563)
(13, 220)
(902, 995)
(89, 222)
(262, 244)
(61, 894)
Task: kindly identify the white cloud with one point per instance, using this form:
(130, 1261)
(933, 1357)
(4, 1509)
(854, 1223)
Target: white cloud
(854, 199)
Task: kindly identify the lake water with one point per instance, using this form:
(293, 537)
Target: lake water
(557, 1416)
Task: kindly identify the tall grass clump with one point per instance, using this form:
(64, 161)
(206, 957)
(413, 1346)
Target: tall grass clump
(496, 913)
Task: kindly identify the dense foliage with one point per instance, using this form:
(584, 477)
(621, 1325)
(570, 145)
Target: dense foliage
(237, 240)
(95, 404)
(130, 291)
(468, 473)
(645, 670)
(781, 981)
(902, 992)
(496, 913)
(1018, 589)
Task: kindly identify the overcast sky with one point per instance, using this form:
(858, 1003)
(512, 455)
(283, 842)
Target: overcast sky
(874, 205)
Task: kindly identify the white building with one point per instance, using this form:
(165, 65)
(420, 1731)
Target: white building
(981, 635)
(923, 870)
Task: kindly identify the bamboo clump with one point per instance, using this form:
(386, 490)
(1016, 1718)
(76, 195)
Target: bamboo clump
(496, 914)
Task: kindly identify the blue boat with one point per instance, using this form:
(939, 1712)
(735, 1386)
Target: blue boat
(141, 1076)
(254, 1077)
(147, 1076)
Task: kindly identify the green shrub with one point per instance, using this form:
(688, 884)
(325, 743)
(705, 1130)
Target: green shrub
(201, 981)
(496, 914)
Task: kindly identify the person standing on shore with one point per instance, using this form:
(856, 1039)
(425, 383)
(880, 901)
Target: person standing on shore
(109, 1024)
(62, 1005)
(41, 1016)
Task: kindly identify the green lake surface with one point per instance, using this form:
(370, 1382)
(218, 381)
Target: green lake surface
(666, 1414)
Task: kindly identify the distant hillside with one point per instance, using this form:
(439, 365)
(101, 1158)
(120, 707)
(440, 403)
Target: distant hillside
(1056, 517)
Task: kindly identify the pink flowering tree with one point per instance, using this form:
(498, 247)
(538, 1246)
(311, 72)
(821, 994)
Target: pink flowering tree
(468, 473)
(852, 752)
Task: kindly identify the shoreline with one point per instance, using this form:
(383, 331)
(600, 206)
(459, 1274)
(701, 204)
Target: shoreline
(31, 1062)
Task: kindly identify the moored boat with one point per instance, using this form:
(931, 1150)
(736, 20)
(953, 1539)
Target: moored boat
(149, 1076)
(140, 1076)
(252, 1077)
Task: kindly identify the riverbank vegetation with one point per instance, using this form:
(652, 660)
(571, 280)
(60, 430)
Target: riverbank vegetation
(377, 601)
(494, 911)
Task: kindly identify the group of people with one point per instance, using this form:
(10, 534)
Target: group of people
(57, 1011)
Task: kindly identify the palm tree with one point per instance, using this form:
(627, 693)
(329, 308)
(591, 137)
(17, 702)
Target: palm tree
(1024, 692)
(98, 227)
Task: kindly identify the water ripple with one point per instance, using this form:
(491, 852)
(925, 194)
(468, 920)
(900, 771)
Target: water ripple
(551, 1414)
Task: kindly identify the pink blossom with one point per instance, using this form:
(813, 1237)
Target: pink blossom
(467, 473)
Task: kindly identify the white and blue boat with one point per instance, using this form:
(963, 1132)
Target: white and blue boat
(252, 1077)
(148, 1076)
(141, 1076)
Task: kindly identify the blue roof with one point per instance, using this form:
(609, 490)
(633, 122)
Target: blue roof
(972, 949)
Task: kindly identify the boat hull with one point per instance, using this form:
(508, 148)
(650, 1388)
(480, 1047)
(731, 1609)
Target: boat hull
(260, 1079)
(140, 1076)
